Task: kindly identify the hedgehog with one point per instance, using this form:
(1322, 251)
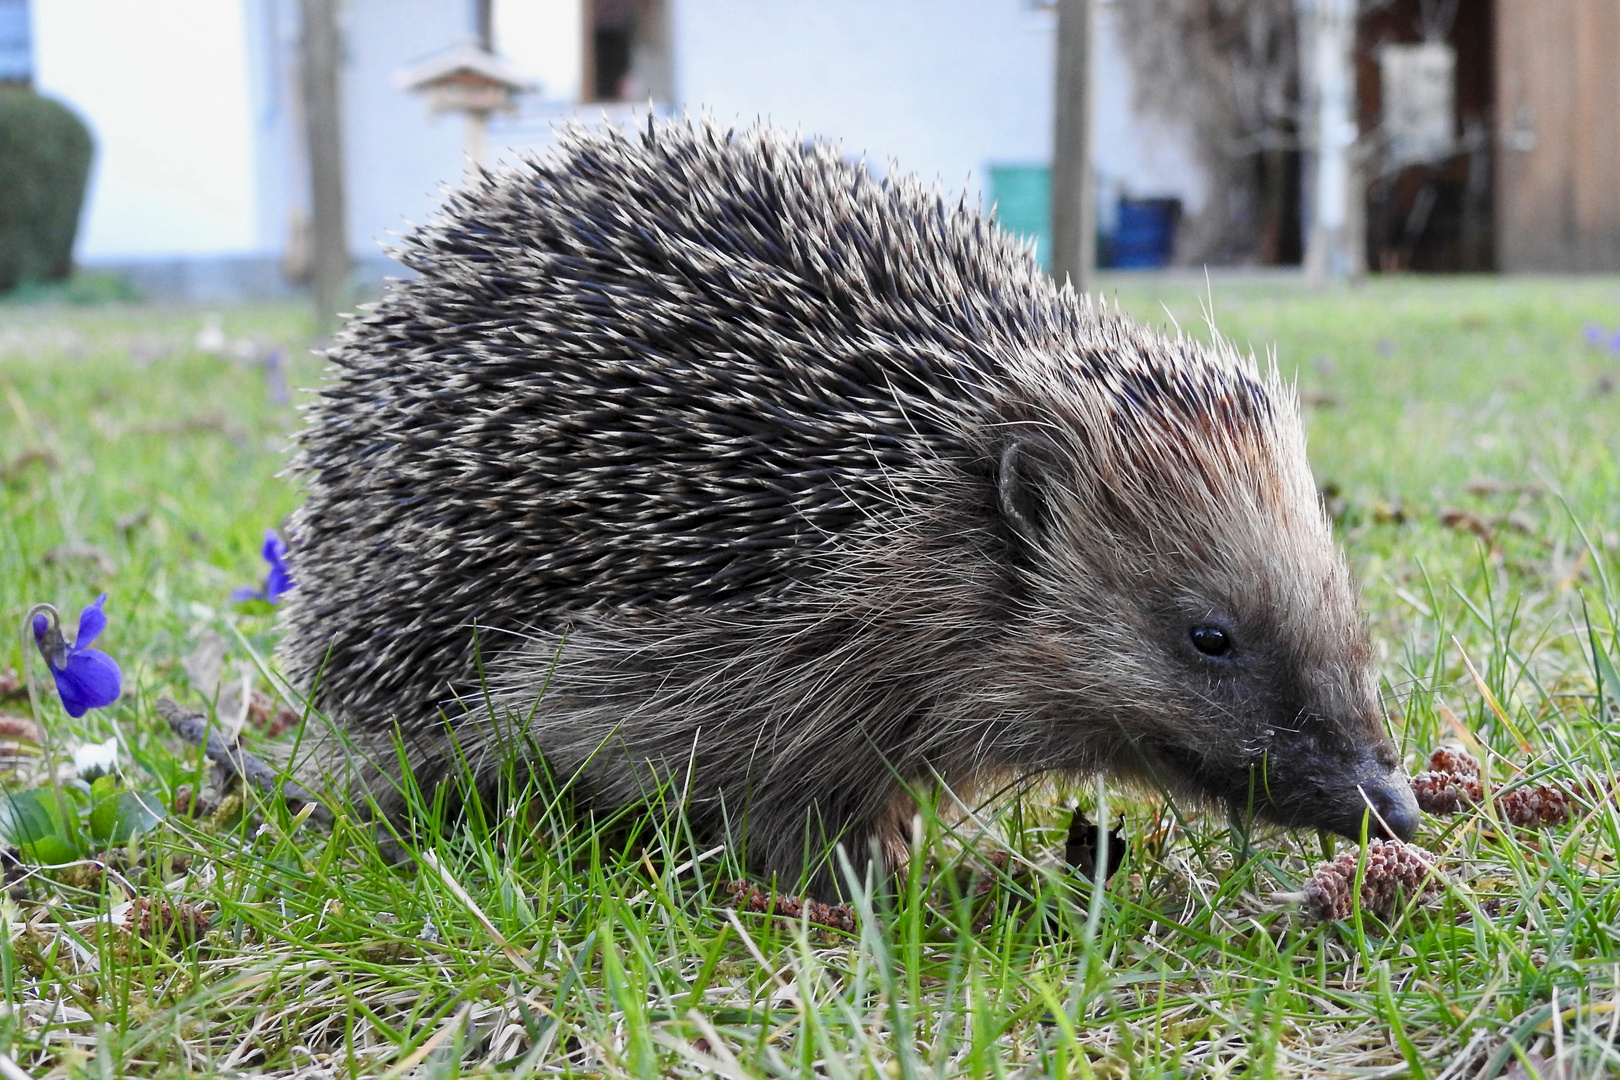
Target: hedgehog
(706, 462)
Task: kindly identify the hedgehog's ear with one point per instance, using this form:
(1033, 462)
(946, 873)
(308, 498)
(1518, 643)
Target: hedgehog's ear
(1024, 486)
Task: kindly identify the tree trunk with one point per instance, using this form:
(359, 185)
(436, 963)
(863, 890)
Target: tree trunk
(321, 62)
(1336, 247)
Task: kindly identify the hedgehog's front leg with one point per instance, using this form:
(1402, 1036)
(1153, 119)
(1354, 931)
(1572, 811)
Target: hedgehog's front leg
(760, 752)
(811, 841)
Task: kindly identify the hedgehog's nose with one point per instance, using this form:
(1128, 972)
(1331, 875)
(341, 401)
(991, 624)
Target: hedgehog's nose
(1395, 808)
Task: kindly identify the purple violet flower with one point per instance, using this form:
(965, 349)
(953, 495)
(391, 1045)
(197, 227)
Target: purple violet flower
(1601, 337)
(277, 581)
(86, 678)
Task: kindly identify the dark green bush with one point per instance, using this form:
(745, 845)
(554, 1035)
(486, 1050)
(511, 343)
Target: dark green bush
(44, 163)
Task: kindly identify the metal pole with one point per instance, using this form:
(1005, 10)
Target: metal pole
(321, 63)
(1074, 228)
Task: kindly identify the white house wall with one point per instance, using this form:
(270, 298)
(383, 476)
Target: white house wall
(1134, 155)
(937, 86)
(276, 121)
(194, 105)
(543, 39)
(943, 88)
(164, 86)
(398, 153)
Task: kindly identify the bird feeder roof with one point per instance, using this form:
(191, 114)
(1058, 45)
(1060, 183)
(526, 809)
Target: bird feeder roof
(465, 65)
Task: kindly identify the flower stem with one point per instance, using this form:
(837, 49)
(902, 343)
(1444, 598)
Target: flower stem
(30, 647)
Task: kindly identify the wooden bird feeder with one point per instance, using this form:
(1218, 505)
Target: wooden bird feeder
(471, 81)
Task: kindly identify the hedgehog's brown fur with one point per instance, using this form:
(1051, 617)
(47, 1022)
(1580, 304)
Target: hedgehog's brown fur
(793, 488)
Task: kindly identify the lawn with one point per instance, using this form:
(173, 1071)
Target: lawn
(1465, 435)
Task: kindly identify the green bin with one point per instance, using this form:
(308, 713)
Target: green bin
(1022, 196)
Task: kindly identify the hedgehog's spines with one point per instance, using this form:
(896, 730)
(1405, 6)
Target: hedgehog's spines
(725, 413)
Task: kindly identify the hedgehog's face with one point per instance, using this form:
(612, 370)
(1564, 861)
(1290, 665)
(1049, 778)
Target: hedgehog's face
(1224, 650)
(1269, 703)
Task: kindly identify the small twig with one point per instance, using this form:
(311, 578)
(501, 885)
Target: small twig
(446, 1030)
(192, 725)
(428, 859)
(10, 1070)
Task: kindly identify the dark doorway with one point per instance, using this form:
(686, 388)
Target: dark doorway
(1282, 240)
(627, 55)
(1429, 210)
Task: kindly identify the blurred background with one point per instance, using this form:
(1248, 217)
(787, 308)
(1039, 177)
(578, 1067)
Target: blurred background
(242, 149)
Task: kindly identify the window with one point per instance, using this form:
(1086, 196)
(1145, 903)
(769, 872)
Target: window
(585, 50)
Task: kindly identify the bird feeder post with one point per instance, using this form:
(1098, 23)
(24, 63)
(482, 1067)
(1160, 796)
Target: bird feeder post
(473, 82)
(475, 141)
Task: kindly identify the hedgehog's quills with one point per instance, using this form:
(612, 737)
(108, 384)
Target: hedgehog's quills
(708, 466)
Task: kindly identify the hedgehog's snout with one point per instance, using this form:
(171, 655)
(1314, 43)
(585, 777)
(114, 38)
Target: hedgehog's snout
(1349, 790)
(1374, 796)
(1394, 807)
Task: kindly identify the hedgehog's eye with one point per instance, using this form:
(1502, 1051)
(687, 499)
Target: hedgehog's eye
(1211, 640)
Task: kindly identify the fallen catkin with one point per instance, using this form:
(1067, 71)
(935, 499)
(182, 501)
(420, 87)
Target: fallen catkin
(1454, 781)
(1446, 793)
(1456, 762)
(1393, 871)
(752, 898)
(178, 923)
(1537, 806)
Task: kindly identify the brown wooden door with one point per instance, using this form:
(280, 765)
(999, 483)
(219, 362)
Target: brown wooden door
(1558, 135)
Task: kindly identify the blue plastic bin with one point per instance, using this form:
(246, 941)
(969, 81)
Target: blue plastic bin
(1145, 236)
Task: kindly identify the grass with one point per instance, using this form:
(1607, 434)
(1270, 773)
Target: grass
(1469, 436)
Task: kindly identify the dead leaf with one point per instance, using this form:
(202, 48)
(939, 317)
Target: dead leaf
(79, 551)
(1466, 520)
(274, 717)
(1538, 1068)
(234, 700)
(178, 923)
(197, 424)
(19, 728)
(1080, 848)
(1517, 522)
(1388, 513)
(128, 523)
(34, 455)
(205, 664)
(1495, 485)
